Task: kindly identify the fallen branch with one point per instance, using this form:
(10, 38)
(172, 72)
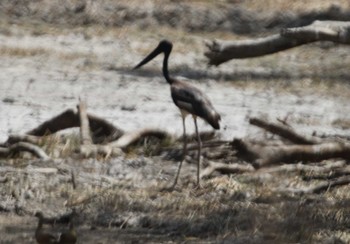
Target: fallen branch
(67, 119)
(284, 131)
(114, 148)
(23, 147)
(261, 156)
(334, 31)
(102, 130)
(85, 138)
(132, 137)
(25, 138)
(223, 51)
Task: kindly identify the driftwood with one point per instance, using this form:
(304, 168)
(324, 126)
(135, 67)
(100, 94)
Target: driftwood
(308, 149)
(115, 148)
(23, 147)
(223, 51)
(85, 138)
(284, 131)
(102, 130)
(262, 156)
(25, 138)
(129, 138)
(305, 149)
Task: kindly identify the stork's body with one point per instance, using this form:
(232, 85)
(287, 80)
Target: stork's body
(189, 99)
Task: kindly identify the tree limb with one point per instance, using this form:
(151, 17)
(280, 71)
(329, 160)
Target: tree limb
(23, 146)
(114, 148)
(284, 131)
(24, 138)
(85, 138)
(262, 156)
(222, 51)
(102, 130)
(335, 31)
(131, 137)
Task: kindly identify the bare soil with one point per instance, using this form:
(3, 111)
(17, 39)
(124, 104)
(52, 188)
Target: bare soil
(46, 66)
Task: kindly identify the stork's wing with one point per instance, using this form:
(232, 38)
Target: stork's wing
(192, 100)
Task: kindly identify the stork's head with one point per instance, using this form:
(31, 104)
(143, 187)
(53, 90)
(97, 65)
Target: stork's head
(164, 46)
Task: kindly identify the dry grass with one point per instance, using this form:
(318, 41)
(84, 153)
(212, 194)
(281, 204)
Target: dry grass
(237, 208)
(22, 52)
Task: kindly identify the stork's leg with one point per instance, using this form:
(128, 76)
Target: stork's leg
(184, 151)
(199, 151)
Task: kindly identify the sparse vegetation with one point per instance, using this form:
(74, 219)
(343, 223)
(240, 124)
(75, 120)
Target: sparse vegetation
(70, 49)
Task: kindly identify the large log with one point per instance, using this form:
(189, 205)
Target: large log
(222, 51)
(262, 156)
(284, 131)
(102, 130)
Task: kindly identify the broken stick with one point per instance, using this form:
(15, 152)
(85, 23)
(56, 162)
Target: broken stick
(85, 138)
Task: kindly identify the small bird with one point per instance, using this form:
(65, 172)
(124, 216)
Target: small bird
(69, 237)
(41, 236)
(189, 99)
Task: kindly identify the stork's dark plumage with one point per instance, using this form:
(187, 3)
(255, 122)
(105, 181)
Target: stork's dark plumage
(188, 98)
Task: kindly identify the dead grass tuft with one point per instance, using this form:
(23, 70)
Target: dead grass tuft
(22, 52)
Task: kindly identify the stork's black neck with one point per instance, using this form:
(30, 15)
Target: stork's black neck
(165, 67)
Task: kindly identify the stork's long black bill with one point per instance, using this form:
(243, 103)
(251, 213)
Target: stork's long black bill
(150, 56)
